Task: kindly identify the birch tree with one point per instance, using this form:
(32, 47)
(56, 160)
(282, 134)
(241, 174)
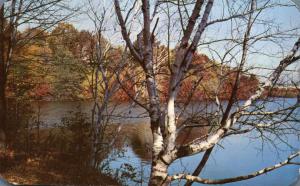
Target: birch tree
(194, 19)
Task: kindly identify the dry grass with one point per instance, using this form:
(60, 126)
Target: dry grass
(53, 169)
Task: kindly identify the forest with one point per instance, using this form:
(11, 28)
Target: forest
(59, 66)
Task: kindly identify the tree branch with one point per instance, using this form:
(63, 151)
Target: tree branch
(200, 145)
(238, 178)
(125, 33)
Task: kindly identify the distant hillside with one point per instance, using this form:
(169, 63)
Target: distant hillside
(217, 80)
(286, 92)
(206, 80)
(61, 65)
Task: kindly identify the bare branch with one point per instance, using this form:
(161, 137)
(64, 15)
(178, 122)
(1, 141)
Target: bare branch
(124, 32)
(239, 178)
(200, 145)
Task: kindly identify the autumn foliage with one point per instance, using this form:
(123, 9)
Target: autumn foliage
(58, 65)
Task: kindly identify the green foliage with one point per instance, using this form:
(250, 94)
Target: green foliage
(67, 75)
(50, 66)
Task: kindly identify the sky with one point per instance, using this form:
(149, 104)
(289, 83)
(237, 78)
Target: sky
(297, 2)
(1, 2)
(285, 17)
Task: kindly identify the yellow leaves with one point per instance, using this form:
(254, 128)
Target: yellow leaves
(34, 50)
(33, 53)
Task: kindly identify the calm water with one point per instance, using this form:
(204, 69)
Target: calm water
(236, 155)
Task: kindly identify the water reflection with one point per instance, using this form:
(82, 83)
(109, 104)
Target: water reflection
(235, 156)
(128, 161)
(139, 137)
(59, 154)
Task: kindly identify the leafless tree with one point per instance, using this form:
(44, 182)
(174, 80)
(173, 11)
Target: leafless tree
(194, 19)
(103, 82)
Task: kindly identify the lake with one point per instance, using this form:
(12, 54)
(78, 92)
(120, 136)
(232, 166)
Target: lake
(236, 155)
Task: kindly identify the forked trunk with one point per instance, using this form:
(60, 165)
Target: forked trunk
(159, 168)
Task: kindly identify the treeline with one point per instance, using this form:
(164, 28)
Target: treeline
(286, 92)
(54, 65)
(59, 65)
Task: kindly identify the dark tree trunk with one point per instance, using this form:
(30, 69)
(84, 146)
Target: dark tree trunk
(3, 108)
(2, 104)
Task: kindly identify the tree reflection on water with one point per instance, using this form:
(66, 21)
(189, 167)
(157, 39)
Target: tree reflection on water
(60, 154)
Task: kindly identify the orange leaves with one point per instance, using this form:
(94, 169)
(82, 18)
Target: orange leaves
(40, 91)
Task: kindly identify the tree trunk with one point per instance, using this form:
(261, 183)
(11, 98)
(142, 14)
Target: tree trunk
(159, 173)
(3, 110)
(2, 82)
